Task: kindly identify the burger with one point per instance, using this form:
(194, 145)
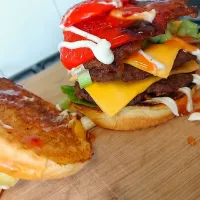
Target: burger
(133, 65)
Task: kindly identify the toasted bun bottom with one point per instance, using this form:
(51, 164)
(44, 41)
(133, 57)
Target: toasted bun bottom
(24, 163)
(132, 117)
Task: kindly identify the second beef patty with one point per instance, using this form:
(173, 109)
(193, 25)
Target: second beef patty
(164, 87)
(103, 73)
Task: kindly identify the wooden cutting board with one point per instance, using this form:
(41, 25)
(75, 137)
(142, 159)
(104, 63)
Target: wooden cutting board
(152, 164)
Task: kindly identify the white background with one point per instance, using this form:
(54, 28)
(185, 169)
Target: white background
(29, 32)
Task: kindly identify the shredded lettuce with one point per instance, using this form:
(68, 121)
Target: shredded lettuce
(70, 92)
(162, 38)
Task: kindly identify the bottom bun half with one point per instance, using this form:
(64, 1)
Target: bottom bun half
(132, 117)
(24, 163)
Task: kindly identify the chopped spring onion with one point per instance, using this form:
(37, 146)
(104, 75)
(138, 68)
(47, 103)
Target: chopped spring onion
(165, 37)
(162, 38)
(198, 36)
(188, 28)
(187, 32)
(63, 104)
(7, 181)
(173, 26)
(84, 79)
(70, 92)
(155, 39)
(183, 28)
(87, 123)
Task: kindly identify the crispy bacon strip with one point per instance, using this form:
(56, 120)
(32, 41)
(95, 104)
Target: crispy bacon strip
(167, 11)
(172, 9)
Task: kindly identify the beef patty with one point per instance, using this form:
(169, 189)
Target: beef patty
(164, 87)
(118, 71)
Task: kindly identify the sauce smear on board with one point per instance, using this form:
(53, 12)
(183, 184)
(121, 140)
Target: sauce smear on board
(191, 140)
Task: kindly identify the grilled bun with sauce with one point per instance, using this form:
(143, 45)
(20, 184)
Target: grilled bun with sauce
(36, 140)
(150, 63)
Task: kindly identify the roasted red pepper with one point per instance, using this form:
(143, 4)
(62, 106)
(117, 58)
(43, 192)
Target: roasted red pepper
(104, 26)
(101, 18)
(72, 58)
(86, 10)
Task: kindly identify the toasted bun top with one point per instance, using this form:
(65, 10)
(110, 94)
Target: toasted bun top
(36, 142)
(132, 117)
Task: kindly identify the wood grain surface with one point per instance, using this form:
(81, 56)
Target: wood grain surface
(152, 164)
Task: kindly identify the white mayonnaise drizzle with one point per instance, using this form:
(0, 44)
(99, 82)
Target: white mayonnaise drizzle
(197, 54)
(168, 102)
(116, 3)
(188, 93)
(101, 48)
(83, 33)
(158, 64)
(194, 116)
(196, 79)
(147, 15)
(5, 125)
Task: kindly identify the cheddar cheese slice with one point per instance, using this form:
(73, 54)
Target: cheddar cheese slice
(164, 53)
(188, 67)
(113, 96)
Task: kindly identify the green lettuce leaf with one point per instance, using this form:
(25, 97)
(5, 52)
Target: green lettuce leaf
(70, 92)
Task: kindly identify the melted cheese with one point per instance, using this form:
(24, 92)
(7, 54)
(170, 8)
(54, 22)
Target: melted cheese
(113, 96)
(163, 53)
(148, 16)
(183, 45)
(188, 67)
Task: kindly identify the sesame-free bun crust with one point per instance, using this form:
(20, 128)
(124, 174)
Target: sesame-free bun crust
(18, 161)
(35, 139)
(132, 117)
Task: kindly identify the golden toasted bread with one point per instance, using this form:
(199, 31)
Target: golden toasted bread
(35, 140)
